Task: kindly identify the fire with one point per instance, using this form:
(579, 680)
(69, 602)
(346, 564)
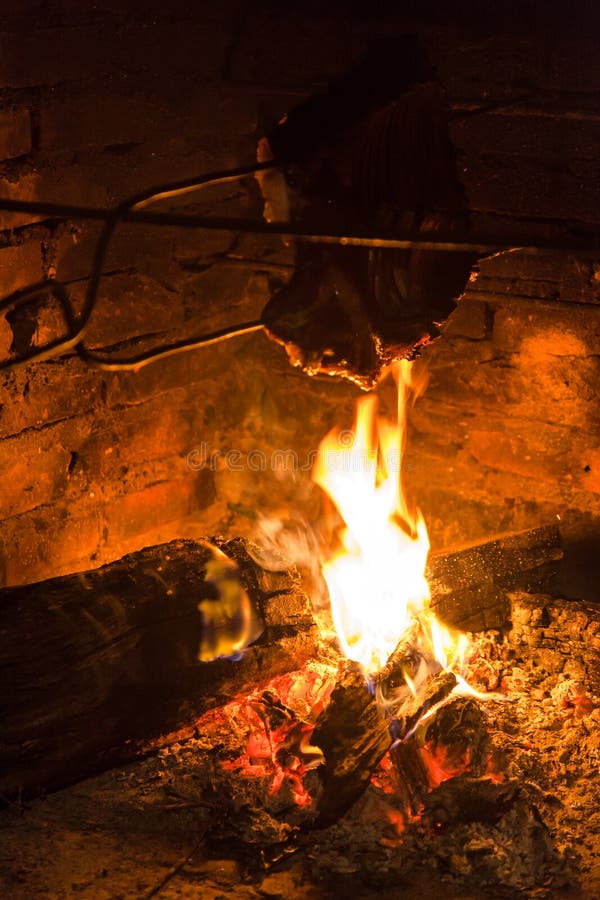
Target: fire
(376, 577)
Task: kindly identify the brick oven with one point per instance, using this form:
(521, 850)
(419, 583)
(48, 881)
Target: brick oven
(103, 101)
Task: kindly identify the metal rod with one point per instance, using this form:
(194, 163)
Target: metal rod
(134, 363)
(483, 244)
(133, 211)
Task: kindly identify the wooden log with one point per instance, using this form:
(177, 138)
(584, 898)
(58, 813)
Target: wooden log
(95, 664)
(404, 717)
(549, 632)
(469, 588)
(467, 799)
(353, 735)
(406, 660)
(450, 743)
(412, 776)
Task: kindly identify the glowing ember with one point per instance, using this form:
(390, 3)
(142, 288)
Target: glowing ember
(376, 579)
(279, 723)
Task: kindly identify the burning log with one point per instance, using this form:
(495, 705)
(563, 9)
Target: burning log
(450, 743)
(406, 660)
(353, 736)
(97, 664)
(411, 710)
(469, 588)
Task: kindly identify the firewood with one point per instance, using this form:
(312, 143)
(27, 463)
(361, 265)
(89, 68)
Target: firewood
(450, 743)
(412, 777)
(96, 664)
(405, 660)
(353, 735)
(469, 588)
(406, 715)
(469, 799)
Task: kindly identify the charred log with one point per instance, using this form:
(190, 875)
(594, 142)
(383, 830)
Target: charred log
(96, 664)
(353, 736)
(354, 731)
(469, 588)
(404, 716)
(450, 743)
(406, 660)
(469, 800)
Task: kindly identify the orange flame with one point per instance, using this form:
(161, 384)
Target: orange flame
(376, 580)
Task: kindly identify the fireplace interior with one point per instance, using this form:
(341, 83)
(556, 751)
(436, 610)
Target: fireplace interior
(297, 197)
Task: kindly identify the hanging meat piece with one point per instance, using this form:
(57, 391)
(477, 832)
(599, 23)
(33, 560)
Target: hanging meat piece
(373, 153)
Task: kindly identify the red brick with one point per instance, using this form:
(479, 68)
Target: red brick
(216, 372)
(43, 393)
(518, 186)
(469, 320)
(580, 280)
(129, 478)
(6, 338)
(145, 250)
(23, 188)
(130, 306)
(145, 110)
(502, 459)
(15, 133)
(35, 464)
(520, 387)
(544, 137)
(589, 469)
(78, 119)
(518, 454)
(496, 290)
(54, 540)
(542, 330)
(53, 55)
(138, 516)
(20, 266)
(515, 264)
(156, 429)
(303, 50)
(77, 183)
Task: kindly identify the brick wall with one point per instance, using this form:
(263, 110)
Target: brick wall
(508, 432)
(95, 104)
(98, 101)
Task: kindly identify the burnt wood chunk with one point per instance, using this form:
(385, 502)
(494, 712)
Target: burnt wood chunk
(447, 745)
(353, 736)
(413, 783)
(470, 800)
(406, 659)
(406, 716)
(96, 664)
(469, 588)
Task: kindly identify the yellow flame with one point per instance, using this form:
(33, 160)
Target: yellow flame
(376, 579)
